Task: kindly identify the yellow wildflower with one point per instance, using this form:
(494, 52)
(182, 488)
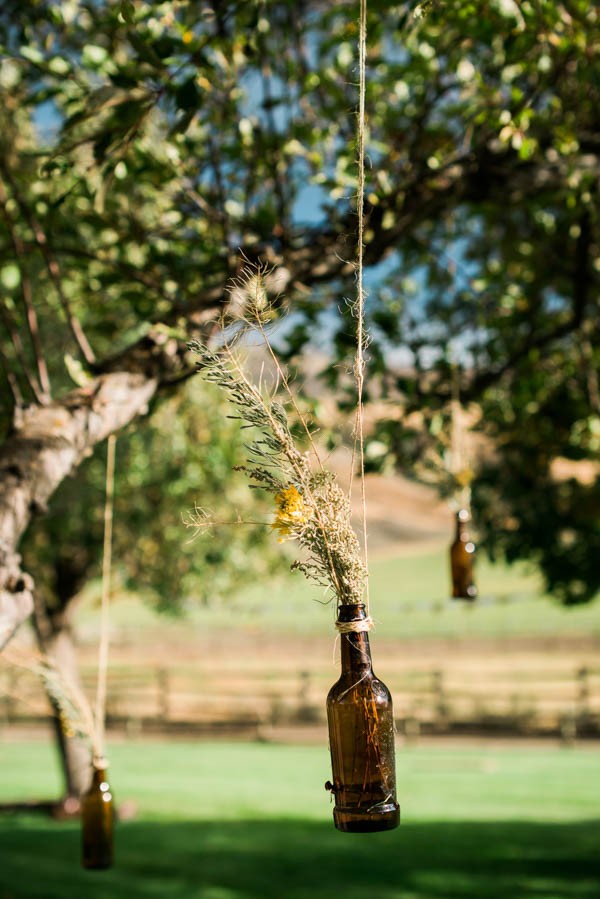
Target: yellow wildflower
(464, 477)
(65, 724)
(292, 512)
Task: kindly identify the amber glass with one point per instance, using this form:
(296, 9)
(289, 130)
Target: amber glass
(97, 822)
(361, 739)
(462, 559)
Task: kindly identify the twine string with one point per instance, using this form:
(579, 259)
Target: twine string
(359, 362)
(357, 626)
(360, 626)
(459, 462)
(456, 449)
(100, 716)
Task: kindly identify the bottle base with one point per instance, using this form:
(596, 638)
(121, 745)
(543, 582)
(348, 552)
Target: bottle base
(99, 864)
(356, 821)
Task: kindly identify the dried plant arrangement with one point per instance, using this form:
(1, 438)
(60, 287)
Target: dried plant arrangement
(310, 505)
(74, 711)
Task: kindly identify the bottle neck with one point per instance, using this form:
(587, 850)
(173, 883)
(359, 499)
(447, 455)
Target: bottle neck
(355, 648)
(462, 522)
(98, 776)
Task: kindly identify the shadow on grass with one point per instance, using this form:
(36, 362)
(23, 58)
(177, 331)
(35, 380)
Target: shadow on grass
(293, 859)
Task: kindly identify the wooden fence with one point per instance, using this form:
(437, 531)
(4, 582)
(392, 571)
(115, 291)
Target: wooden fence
(196, 700)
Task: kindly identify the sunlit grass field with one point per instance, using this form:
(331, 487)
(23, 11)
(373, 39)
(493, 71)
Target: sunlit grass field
(246, 821)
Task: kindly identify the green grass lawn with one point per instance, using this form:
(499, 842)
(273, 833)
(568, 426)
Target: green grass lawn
(252, 821)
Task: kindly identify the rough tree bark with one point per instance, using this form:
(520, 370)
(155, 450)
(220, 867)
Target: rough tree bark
(47, 445)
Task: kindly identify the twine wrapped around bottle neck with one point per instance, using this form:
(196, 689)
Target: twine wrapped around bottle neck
(358, 626)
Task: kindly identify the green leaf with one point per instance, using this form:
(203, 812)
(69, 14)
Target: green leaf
(94, 56)
(32, 54)
(10, 276)
(76, 371)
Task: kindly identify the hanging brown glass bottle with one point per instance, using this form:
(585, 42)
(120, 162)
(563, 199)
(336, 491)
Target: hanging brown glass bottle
(97, 821)
(361, 738)
(462, 559)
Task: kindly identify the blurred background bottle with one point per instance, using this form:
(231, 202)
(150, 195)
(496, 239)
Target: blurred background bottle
(97, 820)
(462, 559)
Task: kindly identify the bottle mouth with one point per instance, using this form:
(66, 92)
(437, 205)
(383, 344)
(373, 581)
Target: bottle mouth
(100, 763)
(351, 611)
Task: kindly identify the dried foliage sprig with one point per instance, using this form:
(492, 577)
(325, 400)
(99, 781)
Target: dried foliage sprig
(310, 505)
(74, 710)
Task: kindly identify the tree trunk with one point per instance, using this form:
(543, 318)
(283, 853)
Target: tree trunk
(48, 445)
(54, 636)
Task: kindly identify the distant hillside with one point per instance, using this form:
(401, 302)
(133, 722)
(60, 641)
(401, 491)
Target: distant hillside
(404, 517)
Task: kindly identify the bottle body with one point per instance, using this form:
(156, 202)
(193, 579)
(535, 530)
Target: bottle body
(462, 560)
(361, 739)
(97, 822)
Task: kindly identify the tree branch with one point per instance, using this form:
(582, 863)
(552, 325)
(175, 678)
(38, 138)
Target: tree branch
(27, 296)
(12, 381)
(51, 266)
(19, 352)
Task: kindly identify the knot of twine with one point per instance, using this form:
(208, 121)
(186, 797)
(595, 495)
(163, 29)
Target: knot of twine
(359, 626)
